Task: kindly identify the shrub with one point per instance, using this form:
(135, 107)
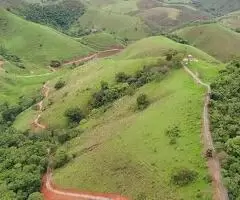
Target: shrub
(142, 101)
(60, 84)
(35, 196)
(173, 133)
(183, 176)
(121, 77)
(55, 63)
(74, 115)
(60, 159)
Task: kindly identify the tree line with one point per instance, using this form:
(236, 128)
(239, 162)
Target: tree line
(225, 125)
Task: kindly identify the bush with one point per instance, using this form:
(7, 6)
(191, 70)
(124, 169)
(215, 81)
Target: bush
(74, 115)
(60, 159)
(183, 176)
(35, 196)
(60, 84)
(121, 77)
(55, 63)
(142, 101)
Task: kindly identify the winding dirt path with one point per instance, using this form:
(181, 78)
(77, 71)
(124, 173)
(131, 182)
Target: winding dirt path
(45, 89)
(220, 192)
(45, 92)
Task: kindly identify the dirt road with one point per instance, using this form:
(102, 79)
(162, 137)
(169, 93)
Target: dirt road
(45, 92)
(220, 192)
(52, 192)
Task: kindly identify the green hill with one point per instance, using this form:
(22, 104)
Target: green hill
(214, 39)
(100, 41)
(218, 7)
(127, 144)
(231, 20)
(34, 43)
(158, 46)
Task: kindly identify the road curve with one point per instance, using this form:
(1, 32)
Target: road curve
(220, 192)
(52, 192)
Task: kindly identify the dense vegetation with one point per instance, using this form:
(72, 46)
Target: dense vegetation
(225, 108)
(23, 159)
(11, 57)
(59, 15)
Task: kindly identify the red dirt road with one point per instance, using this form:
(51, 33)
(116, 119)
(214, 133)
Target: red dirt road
(52, 192)
(220, 192)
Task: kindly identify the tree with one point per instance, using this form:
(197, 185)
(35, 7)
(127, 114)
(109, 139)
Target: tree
(183, 176)
(74, 115)
(142, 101)
(60, 159)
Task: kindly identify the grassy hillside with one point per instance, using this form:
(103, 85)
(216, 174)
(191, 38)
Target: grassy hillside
(136, 55)
(34, 43)
(124, 26)
(100, 41)
(129, 158)
(123, 147)
(231, 20)
(214, 39)
(158, 46)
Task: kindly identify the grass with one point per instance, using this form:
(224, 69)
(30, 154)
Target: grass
(127, 151)
(100, 41)
(130, 159)
(124, 26)
(36, 44)
(158, 46)
(214, 39)
(206, 71)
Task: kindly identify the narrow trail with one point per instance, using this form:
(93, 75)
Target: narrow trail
(45, 89)
(220, 192)
(45, 92)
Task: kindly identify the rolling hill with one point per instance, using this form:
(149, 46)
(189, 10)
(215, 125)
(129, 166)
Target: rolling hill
(231, 20)
(120, 146)
(35, 44)
(100, 41)
(218, 7)
(214, 39)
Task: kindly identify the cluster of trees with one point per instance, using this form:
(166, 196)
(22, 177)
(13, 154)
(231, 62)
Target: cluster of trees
(11, 57)
(23, 160)
(60, 15)
(8, 113)
(127, 84)
(225, 121)
(176, 38)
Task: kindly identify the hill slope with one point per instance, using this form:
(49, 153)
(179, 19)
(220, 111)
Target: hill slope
(34, 43)
(214, 39)
(120, 146)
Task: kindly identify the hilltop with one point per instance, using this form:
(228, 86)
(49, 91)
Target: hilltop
(216, 40)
